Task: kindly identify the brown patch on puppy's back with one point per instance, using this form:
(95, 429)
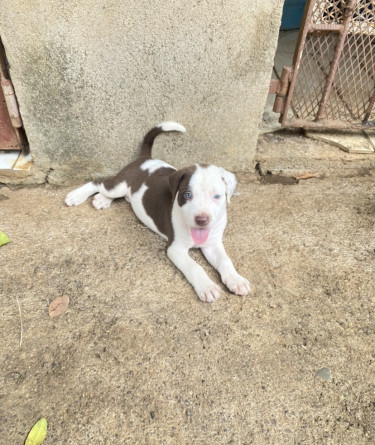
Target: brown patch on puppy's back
(132, 174)
(158, 201)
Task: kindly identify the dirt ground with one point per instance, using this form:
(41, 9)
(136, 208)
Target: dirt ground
(138, 359)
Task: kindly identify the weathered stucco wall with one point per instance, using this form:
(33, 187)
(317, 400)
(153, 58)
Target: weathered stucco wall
(93, 76)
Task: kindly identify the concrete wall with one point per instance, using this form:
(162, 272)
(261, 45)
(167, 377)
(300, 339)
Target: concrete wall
(93, 76)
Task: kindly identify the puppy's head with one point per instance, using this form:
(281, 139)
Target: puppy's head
(201, 192)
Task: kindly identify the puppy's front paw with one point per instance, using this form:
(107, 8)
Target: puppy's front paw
(237, 284)
(209, 291)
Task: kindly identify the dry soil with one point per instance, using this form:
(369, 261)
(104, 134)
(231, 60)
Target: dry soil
(138, 359)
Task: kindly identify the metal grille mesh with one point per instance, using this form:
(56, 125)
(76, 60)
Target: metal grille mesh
(326, 11)
(335, 81)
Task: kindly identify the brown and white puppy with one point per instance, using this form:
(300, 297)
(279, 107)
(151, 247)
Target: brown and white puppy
(185, 207)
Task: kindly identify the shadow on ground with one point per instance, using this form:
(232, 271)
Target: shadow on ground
(138, 359)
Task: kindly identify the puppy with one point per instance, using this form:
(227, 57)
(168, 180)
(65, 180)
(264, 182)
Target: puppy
(186, 207)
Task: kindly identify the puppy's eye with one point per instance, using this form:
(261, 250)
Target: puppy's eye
(188, 195)
(216, 196)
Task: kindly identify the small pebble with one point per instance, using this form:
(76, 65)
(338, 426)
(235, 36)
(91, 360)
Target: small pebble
(324, 373)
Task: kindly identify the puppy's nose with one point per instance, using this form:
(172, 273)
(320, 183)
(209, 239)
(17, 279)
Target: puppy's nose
(202, 220)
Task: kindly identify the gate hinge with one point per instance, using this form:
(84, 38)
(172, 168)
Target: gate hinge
(280, 87)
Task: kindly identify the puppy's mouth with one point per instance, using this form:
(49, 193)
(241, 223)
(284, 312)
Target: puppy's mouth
(199, 235)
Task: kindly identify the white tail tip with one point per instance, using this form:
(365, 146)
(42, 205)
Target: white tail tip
(172, 126)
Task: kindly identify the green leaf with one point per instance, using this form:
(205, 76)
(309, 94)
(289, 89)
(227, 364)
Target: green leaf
(38, 433)
(3, 239)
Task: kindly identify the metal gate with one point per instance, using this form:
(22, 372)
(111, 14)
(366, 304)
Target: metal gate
(12, 135)
(332, 81)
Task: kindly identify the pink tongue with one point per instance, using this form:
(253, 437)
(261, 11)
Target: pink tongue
(199, 235)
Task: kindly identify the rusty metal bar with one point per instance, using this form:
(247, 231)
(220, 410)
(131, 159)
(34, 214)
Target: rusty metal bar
(303, 33)
(349, 9)
(297, 56)
(369, 108)
(324, 27)
(329, 124)
(11, 102)
(9, 137)
(12, 134)
(282, 92)
(8, 91)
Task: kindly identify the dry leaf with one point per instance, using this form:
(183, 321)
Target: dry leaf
(58, 306)
(308, 176)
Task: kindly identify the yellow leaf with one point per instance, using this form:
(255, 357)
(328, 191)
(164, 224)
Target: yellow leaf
(38, 433)
(3, 239)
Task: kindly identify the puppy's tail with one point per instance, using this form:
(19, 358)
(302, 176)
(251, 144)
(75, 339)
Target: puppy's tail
(148, 141)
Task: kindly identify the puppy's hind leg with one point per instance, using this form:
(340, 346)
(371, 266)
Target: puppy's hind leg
(107, 194)
(79, 195)
(103, 190)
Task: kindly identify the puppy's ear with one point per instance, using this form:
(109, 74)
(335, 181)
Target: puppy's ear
(230, 182)
(174, 181)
